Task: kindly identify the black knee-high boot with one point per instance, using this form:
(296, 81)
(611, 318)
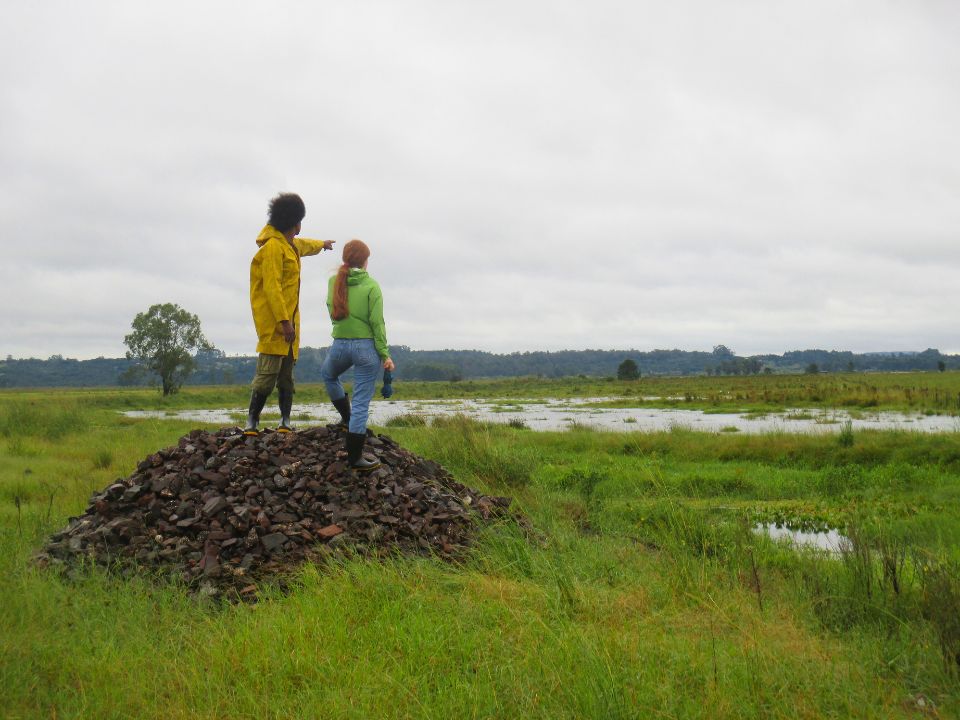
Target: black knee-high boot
(354, 443)
(343, 407)
(257, 401)
(285, 400)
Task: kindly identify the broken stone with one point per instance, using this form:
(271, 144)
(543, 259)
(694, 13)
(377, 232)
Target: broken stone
(329, 531)
(214, 505)
(272, 541)
(236, 509)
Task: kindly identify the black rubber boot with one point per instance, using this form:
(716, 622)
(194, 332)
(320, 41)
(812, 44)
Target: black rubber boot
(343, 407)
(354, 443)
(285, 400)
(257, 401)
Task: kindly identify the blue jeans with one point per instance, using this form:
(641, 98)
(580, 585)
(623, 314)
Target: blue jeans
(361, 355)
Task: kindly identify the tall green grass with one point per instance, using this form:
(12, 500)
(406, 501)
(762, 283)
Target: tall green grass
(41, 419)
(474, 449)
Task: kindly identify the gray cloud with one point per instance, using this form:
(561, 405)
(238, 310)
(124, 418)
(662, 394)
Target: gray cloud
(530, 175)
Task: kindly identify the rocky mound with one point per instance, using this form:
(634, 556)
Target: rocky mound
(221, 510)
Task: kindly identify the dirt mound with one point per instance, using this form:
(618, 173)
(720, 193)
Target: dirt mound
(221, 510)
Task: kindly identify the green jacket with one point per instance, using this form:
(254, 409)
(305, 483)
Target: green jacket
(366, 311)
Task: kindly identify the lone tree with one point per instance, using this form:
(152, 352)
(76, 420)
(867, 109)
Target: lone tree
(163, 341)
(628, 370)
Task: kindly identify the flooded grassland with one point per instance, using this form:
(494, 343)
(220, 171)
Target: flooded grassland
(650, 578)
(597, 413)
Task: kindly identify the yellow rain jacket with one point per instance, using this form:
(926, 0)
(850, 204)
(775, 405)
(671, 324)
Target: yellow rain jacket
(275, 288)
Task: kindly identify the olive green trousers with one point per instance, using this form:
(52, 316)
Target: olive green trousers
(274, 371)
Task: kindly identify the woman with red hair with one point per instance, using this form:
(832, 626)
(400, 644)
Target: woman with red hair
(355, 304)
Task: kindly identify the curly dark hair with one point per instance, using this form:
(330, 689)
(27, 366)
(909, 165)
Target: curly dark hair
(286, 210)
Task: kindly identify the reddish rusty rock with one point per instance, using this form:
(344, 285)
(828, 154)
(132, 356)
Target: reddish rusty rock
(329, 531)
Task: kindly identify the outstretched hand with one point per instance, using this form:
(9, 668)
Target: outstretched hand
(328, 244)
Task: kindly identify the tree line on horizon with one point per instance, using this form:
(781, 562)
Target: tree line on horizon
(213, 367)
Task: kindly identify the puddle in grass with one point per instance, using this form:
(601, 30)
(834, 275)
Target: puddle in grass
(829, 540)
(566, 413)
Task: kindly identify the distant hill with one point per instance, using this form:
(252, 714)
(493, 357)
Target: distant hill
(215, 368)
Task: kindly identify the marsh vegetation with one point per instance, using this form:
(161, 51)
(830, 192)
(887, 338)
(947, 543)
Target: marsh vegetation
(640, 590)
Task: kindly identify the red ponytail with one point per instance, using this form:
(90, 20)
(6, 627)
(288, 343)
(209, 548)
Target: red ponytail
(355, 254)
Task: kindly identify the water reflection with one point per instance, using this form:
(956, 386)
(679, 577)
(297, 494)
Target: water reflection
(567, 413)
(828, 540)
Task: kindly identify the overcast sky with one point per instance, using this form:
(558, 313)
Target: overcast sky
(764, 174)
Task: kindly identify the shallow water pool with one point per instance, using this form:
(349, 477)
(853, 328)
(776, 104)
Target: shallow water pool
(569, 413)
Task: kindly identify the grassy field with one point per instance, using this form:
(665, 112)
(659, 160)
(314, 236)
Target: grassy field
(640, 590)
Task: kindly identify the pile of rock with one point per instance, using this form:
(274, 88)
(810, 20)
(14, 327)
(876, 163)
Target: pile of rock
(223, 509)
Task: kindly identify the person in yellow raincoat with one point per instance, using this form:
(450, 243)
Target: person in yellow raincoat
(275, 301)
